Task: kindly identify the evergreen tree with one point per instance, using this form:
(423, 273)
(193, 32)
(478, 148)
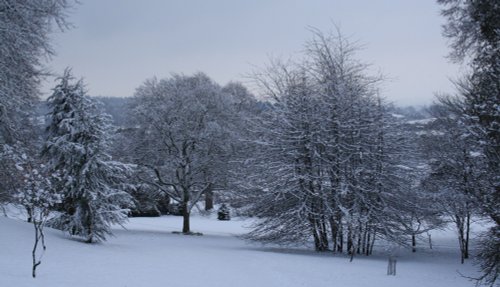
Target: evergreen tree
(455, 171)
(24, 41)
(88, 180)
(473, 28)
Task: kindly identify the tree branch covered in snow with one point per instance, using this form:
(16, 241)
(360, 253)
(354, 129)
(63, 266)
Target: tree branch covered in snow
(90, 182)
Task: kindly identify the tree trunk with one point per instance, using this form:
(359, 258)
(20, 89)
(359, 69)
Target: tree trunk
(89, 225)
(337, 236)
(324, 235)
(360, 233)
(413, 243)
(350, 249)
(39, 238)
(185, 219)
(318, 229)
(315, 234)
(335, 233)
(368, 240)
(461, 236)
(33, 252)
(467, 235)
(185, 223)
(351, 243)
(185, 212)
(391, 267)
(430, 240)
(209, 199)
(30, 217)
(372, 244)
(340, 248)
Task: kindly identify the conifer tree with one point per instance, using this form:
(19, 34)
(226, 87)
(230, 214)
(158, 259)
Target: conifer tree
(474, 30)
(76, 150)
(25, 27)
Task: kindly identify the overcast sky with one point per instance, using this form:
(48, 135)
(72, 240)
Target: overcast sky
(117, 44)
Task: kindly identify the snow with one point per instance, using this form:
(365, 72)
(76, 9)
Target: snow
(147, 253)
(397, 116)
(421, 122)
(475, 154)
(432, 132)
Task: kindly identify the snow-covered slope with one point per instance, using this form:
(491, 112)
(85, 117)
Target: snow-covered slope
(148, 254)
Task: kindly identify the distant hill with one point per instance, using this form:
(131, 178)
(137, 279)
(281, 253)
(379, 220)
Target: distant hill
(116, 107)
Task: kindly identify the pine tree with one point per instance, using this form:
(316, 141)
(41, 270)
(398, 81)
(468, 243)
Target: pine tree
(88, 180)
(24, 41)
(455, 170)
(473, 28)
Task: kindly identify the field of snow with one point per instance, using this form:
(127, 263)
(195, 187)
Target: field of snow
(148, 254)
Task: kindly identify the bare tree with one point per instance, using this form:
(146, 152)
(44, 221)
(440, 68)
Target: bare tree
(38, 197)
(325, 157)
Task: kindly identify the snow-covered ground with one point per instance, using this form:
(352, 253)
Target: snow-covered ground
(148, 254)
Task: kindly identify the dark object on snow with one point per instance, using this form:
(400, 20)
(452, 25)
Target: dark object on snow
(144, 202)
(391, 267)
(152, 212)
(223, 213)
(163, 204)
(175, 209)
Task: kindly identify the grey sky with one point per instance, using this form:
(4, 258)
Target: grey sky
(117, 44)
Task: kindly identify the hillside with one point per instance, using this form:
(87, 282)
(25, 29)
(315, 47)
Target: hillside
(148, 254)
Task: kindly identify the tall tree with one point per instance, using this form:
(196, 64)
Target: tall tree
(24, 42)
(455, 171)
(285, 168)
(473, 27)
(182, 136)
(76, 150)
(325, 158)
